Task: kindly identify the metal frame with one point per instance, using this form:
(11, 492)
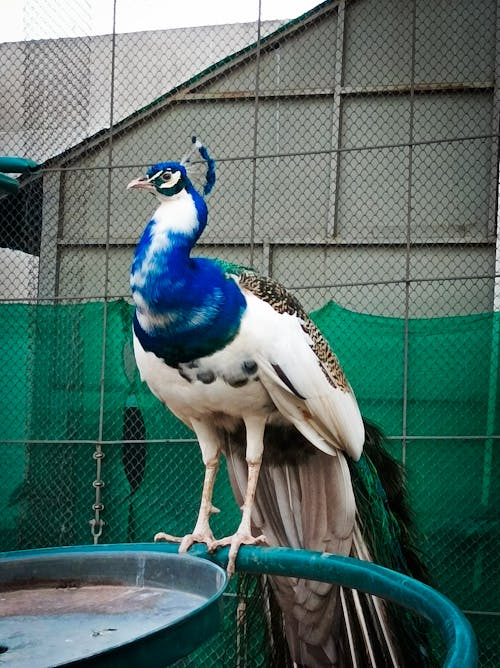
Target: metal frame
(453, 627)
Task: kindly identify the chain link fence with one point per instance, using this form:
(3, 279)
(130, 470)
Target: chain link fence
(357, 163)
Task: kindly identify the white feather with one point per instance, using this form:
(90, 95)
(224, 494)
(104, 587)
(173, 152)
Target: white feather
(328, 417)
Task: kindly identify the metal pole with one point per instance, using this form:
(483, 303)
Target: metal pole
(255, 141)
(406, 344)
(97, 523)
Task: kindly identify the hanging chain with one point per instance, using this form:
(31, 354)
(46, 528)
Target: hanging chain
(97, 523)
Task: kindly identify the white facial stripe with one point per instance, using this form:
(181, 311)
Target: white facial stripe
(174, 178)
(155, 175)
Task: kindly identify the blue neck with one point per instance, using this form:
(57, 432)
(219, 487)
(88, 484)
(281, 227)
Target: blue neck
(186, 307)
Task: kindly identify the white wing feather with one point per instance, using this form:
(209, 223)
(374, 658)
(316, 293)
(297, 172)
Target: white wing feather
(327, 416)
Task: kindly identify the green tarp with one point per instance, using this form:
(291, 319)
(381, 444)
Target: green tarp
(68, 379)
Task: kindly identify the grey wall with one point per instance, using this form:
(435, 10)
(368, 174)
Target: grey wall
(354, 167)
(57, 92)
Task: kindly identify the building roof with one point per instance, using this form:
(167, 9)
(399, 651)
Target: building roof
(61, 91)
(185, 60)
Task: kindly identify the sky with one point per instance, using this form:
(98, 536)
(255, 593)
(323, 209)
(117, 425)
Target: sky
(44, 19)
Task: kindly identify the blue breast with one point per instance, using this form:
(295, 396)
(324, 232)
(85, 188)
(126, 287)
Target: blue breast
(201, 306)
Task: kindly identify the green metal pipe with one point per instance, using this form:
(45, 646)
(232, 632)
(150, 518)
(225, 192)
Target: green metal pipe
(451, 624)
(15, 165)
(8, 184)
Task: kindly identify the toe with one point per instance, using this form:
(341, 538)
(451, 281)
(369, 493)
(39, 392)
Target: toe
(162, 536)
(186, 542)
(235, 542)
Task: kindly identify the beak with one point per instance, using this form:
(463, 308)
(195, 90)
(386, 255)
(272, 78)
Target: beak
(142, 183)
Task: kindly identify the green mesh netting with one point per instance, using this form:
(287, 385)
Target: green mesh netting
(68, 381)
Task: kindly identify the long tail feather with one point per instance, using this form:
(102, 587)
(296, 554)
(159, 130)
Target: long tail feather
(348, 627)
(327, 625)
(385, 534)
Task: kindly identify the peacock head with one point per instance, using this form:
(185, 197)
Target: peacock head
(166, 179)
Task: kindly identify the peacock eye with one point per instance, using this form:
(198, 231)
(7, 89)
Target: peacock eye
(167, 181)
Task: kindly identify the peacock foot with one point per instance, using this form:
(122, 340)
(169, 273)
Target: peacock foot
(185, 542)
(235, 542)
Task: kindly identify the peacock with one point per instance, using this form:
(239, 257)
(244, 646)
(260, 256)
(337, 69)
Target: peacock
(234, 356)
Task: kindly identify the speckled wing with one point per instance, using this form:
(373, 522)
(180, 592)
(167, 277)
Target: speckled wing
(277, 296)
(303, 376)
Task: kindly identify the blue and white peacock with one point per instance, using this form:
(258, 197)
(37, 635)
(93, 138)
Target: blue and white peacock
(235, 357)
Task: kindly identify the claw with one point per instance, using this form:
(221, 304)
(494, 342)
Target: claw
(185, 542)
(161, 536)
(235, 542)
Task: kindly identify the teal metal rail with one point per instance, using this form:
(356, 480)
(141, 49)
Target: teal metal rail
(14, 165)
(453, 627)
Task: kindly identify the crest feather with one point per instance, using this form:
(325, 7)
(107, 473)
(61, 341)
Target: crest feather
(209, 176)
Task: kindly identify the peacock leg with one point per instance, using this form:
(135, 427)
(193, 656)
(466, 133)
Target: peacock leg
(202, 532)
(243, 536)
